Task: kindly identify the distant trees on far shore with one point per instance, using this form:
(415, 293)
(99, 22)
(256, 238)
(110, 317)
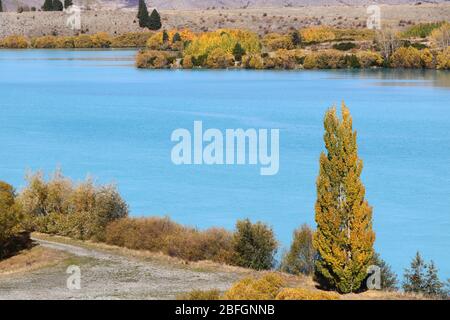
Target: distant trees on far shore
(152, 21)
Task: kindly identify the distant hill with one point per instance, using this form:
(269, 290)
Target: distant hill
(11, 5)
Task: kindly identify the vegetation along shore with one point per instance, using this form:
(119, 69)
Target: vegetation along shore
(335, 255)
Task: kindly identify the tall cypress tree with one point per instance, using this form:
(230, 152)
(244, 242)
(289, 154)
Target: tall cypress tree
(68, 3)
(143, 14)
(154, 22)
(58, 5)
(344, 237)
(48, 5)
(1, 6)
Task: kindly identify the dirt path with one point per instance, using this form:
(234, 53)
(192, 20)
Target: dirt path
(109, 276)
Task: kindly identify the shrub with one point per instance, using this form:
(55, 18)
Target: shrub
(14, 42)
(45, 42)
(344, 46)
(101, 40)
(83, 41)
(254, 245)
(327, 59)
(282, 59)
(213, 294)
(354, 34)
(10, 220)
(421, 30)
(369, 59)
(305, 294)
(441, 37)
(318, 34)
(60, 207)
(302, 256)
(253, 61)
(265, 288)
(219, 59)
(275, 41)
(131, 40)
(187, 62)
(443, 59)
(163, 235)
(153, 59)
(406, 58)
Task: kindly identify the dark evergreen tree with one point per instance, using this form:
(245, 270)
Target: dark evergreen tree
(154, 22)
(388, 277)
(48, 5)
(414, 278)
(58, 5)
(143, 14)
(68, 3)
(176, 37)
(296, 38)
(433, 286)
(165, 36)
(1, 6)
(238, 52)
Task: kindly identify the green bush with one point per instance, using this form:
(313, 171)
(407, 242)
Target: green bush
(302, 256)
(254, 245)
(344, 46)
(421, 30)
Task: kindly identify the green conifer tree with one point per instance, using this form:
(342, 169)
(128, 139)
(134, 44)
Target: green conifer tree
(344, 237)
(388, 277)
(238, 52)
(58, 5)
(68, 3)
(154, 22)
(48, 5)
(165, 36)
(432, 285)
(143, 14)
(1, 6)
(296, 38)
(176, 37)
(414, 277)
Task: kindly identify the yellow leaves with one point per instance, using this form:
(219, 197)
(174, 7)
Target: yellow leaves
(224, 39)
(276, 41)
(443, 59)
(219, 59)
(265, 288)
(317, 34)
(14, 42)
(440, 37)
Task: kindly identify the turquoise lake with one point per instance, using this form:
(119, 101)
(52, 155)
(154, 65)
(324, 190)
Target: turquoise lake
(92, 112)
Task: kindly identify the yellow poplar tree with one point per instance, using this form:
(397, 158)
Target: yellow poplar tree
(344, 238)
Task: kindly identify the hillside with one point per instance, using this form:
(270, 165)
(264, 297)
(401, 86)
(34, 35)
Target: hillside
(11, 5)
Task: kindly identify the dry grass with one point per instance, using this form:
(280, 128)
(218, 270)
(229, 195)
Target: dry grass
(31, 259)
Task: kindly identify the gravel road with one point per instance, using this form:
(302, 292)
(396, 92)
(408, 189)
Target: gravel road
(109, 276)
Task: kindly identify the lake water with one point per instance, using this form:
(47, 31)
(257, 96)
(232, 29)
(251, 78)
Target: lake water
(93, 112)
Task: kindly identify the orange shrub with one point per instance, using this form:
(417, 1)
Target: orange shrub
(265, 288)
(14, 42)
(275, 41)
(131, 40)
(318, 34)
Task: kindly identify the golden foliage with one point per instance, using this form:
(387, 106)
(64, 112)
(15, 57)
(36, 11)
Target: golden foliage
(252, 61)
(410, 57)
(154, 59)
(187, 62)
(443, 59)
(224, 39)
(440, 37)
(101, 40)
(275, 41)
(265, 288)
(14, 42)
(131, 40)
(369, 59)
(344, 237)
(219, 59)
(317, 34)
(305, 294)
(326, 59)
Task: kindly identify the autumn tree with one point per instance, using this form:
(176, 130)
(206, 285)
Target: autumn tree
(10, 218)
(143, 14)
(154, 21)
(302, 256)
(344, 237)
